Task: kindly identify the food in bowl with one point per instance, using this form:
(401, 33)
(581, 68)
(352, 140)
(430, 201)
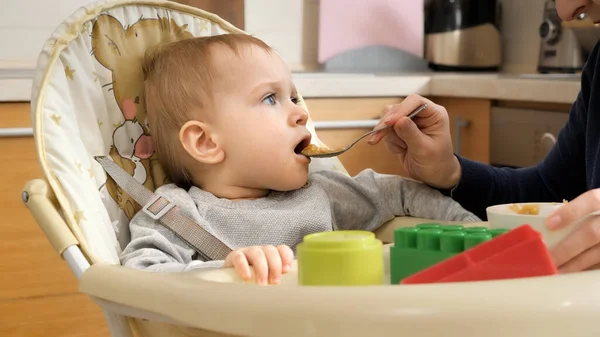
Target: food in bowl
(525, 209)
(534, 214)
(531, 209)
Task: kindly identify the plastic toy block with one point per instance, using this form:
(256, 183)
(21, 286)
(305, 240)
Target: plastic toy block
(420, 247)
(517, 254)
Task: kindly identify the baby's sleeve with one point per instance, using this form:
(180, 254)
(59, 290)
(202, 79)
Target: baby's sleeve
(368, 200)
(154, 247)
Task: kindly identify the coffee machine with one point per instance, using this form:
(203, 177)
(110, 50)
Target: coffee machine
(564, 46)
(463, 35)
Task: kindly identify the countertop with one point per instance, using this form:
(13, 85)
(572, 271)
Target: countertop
(15, 85)
(551, 88)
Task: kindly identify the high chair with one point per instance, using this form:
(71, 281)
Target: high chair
(85, 103)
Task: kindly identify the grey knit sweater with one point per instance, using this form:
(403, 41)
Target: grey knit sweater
(331, 201)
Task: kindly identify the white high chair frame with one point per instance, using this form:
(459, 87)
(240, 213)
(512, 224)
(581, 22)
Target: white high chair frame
(217, 303)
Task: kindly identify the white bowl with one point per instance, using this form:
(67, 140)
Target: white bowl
(501, 216)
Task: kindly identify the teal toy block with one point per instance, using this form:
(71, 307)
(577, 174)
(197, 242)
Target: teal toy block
(420, 247)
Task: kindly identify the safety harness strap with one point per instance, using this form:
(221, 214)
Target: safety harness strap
(158, 208)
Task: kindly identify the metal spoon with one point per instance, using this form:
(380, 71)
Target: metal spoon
(337, 152)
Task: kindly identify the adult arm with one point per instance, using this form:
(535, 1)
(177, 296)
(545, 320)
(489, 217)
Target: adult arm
(424, 150)
(561, 175)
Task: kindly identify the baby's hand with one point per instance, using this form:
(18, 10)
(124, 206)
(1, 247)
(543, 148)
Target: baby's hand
(267, 261)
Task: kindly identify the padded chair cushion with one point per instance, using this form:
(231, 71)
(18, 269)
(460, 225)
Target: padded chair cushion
(86, 102)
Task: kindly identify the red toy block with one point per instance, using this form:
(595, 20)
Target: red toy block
(515, 254)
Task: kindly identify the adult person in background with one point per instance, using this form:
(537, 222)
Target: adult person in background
(571, 170)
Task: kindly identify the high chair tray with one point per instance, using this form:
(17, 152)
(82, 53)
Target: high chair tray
(219, 301)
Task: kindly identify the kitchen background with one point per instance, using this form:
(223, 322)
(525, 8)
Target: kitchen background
(291, 27)
(509, 117)
(330, 43)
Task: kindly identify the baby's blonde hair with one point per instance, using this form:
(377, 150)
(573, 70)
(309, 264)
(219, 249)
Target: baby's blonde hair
(177, 81)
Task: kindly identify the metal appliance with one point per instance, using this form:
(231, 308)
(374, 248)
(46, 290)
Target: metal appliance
(463, 35)
(564, 46)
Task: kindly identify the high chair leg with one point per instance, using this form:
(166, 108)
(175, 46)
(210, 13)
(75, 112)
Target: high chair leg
(117, 325)
(41, 202)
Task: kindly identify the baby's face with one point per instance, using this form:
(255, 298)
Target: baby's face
(263, 129)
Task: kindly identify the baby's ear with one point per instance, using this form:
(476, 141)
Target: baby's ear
(199, 142)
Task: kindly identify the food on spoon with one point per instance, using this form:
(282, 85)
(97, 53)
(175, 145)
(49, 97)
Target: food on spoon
(313, 149)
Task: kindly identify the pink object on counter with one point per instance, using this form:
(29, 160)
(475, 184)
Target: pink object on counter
(351, 24)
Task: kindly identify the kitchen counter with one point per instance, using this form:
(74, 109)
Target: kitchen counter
(552, 88)
(16, 86)
(15, 90)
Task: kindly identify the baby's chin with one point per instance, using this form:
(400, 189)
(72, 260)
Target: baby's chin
(292, 185)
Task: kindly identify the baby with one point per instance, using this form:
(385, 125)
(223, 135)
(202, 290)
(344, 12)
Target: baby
(225, 120)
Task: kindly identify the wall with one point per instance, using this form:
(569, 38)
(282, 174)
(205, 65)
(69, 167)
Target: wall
(290, 26)
(26, 24)
(290, 33)
(33, 21)
(521, 42)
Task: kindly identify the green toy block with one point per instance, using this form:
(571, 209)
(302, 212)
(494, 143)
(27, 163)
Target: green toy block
(420, 247)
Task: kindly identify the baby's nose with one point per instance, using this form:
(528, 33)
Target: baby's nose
(300, 116)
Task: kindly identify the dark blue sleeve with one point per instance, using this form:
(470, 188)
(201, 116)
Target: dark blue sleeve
(561, 175)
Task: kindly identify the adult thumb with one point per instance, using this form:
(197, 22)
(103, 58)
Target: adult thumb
(409, 132)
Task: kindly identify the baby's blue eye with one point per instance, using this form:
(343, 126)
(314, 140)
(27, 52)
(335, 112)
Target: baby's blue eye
(269, 100)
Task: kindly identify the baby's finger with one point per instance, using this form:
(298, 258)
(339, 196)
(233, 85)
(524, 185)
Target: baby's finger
(240, 264)
(287, 257)
(258, 261)
(274, 263)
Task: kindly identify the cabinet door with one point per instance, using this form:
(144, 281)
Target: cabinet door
(522, 137)
(38, 292)
(470, 121)
(339, 121)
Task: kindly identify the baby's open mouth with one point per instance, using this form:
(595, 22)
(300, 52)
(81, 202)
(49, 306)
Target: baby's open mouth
(303, 144)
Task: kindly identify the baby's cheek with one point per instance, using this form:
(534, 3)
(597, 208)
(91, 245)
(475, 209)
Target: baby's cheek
(269, 143)
(258, 153)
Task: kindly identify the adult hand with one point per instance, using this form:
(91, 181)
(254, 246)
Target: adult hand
(580, 250)
(423, 145)
(268, 262)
